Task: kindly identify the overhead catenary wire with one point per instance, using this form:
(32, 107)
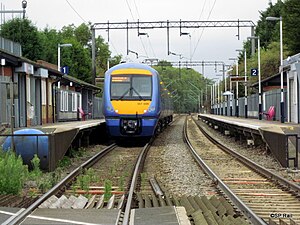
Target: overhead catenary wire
(76, 11)
(149, 40)
(196, 46)
(134, 19)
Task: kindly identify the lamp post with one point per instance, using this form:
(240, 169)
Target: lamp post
(237, 85)
(216, 96)
(246, 86)
(259, 78)
(281, 67)
(58, 53)
(180, 57)
(211, 98)
(225, 90)
(237, 89)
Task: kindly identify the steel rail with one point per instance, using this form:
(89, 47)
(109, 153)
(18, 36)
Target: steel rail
(254, 166)
(20, 217)
(241, 205)
(135, 176)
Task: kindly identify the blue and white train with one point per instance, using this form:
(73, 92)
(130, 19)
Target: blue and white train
(135, 103)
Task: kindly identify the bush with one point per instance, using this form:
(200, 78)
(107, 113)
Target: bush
(13, 173)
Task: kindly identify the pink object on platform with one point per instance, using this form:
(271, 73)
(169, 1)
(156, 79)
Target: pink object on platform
(271, 113)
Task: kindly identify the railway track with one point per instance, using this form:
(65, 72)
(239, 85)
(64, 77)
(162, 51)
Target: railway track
(60, 187)
(62, 196)
(261, 195)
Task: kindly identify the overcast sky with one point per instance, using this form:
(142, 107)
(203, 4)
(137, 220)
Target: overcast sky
(215, 44)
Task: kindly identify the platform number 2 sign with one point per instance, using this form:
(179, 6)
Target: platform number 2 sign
(254, 72)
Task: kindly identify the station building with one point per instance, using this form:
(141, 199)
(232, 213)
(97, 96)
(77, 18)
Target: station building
(36, 93)
(292, 68)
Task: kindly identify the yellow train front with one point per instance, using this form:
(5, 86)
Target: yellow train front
(135, 104)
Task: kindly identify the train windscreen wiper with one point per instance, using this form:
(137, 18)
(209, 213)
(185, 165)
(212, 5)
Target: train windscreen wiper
(123, 95)
(138, 94)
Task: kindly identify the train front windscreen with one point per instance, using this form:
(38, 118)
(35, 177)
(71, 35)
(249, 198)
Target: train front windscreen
(131, 87)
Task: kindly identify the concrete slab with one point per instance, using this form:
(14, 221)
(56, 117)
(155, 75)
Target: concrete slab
(254, 124)
(6, 213)
(159, 215)
(66, 126)
(73, 216)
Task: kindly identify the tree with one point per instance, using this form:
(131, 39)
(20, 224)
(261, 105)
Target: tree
(43, 45)
(187, 83)
(83, 34)
(25, 33)
(269, 31)
(49, 40)
(291, 21)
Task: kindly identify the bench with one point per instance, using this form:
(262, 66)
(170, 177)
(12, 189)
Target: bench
(270, 114)
(83, 114)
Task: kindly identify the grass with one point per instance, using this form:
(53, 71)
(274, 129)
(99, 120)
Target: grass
(107, 190)
(13, 173)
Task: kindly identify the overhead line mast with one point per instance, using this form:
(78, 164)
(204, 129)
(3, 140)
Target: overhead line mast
(164, 24)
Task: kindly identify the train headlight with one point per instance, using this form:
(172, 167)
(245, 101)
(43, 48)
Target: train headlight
(116, 111)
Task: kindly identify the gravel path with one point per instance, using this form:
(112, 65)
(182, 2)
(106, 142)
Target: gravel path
(170, 161)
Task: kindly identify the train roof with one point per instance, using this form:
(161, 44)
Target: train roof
(132, 66)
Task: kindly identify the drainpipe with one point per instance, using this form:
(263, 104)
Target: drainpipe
(54, 98)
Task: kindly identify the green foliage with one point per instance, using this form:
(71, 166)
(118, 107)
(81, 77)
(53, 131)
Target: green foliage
(25, 33)
(36, 172)
(268, 31)
(49, 40)
(13, 173)
(291, 28)
(64, 162)
(44, 183)
(186, 84)
(121, 183)
(107, 190)
(84, 180)
(43, 45)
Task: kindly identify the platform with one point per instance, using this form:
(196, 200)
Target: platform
(78, 125)
(281, 138)
(65, 134)
(51, 142)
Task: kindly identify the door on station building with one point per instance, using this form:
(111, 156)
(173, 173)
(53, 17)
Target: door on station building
(293, 101)
(35, 101)
(22, 100)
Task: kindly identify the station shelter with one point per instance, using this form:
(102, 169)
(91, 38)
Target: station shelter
(291, 66)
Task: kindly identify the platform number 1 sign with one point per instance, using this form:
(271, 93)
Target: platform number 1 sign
(254, 72)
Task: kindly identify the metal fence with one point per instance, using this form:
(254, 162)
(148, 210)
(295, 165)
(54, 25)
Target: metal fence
(269, 98)
(10, 46)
